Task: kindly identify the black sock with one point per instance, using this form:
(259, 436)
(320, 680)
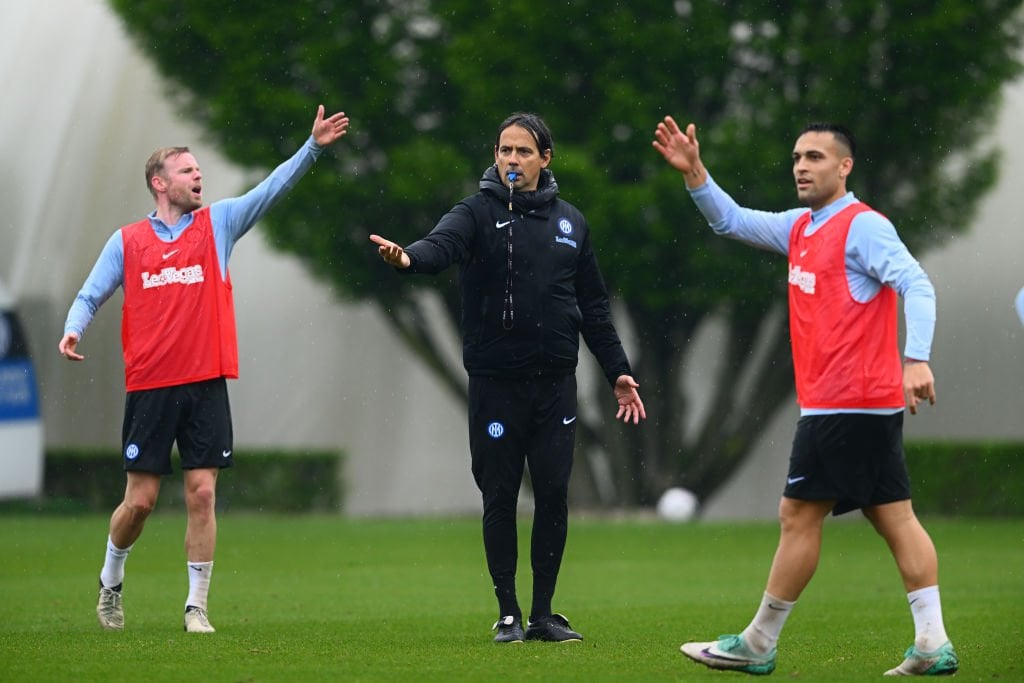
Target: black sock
(508, 605)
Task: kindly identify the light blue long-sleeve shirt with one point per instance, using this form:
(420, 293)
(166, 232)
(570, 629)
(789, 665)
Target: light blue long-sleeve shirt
(875, 255)
(231, 218)
(1019, 303)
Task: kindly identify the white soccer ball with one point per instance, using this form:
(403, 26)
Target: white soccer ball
(677, 505)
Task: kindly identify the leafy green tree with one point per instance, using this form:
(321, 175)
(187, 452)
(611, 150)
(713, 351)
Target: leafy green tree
(427, 81)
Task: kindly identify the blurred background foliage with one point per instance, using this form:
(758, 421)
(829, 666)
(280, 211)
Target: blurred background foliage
(426, 83)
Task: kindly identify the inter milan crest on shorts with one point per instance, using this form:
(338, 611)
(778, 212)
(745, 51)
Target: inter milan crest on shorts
(496, 430)
(131, 452)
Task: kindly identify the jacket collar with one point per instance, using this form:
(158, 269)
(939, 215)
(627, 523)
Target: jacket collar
(525, 202)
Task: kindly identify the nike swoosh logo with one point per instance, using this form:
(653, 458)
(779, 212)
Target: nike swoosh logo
(498, 224)
(777, 609)
(568, 420)
(714, 655)
(198, 569)
(226, 454)
(803, 253)
(793, 480)
(171, 253)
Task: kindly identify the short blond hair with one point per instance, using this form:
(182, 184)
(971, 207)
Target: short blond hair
(155, 164)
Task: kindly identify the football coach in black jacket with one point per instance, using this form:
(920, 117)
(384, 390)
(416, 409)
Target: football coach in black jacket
(530, 285)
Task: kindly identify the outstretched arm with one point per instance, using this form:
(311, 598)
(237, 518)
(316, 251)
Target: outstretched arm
(630, 405)
(392, 254)
(105, 277)
(326, 131)
(762, 229)
(234, 217)
(681, 151)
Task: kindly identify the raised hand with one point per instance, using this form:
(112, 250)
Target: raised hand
(681, 150)
(326, 131)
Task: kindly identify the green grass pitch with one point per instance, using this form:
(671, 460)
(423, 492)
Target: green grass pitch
(328, 599)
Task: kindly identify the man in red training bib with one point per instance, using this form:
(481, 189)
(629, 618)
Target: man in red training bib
(179, 343)
(846, 267)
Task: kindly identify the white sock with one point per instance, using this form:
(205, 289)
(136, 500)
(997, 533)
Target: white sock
(926, 608)
(112, 574)
(198, 583)
(762, 635)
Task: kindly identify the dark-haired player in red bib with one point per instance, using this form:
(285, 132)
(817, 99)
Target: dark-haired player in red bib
(846, 268)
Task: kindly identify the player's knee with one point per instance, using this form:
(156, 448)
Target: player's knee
(139, 506)
(802, 516)
(787, 514)
(201, 497)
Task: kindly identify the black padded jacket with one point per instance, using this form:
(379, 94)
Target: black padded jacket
(557, 291)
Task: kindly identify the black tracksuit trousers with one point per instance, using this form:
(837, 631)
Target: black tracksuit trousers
(512, 423)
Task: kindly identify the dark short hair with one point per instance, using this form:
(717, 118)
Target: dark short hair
(841, 133)
(533, 123)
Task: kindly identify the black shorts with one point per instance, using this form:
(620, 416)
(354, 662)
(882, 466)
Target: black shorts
(196, 415)
(855, 459)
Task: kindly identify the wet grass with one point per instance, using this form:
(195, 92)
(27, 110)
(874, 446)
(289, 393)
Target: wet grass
(311, 598)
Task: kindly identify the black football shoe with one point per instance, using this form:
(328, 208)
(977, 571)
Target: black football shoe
(509, 630)
(553, 628)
